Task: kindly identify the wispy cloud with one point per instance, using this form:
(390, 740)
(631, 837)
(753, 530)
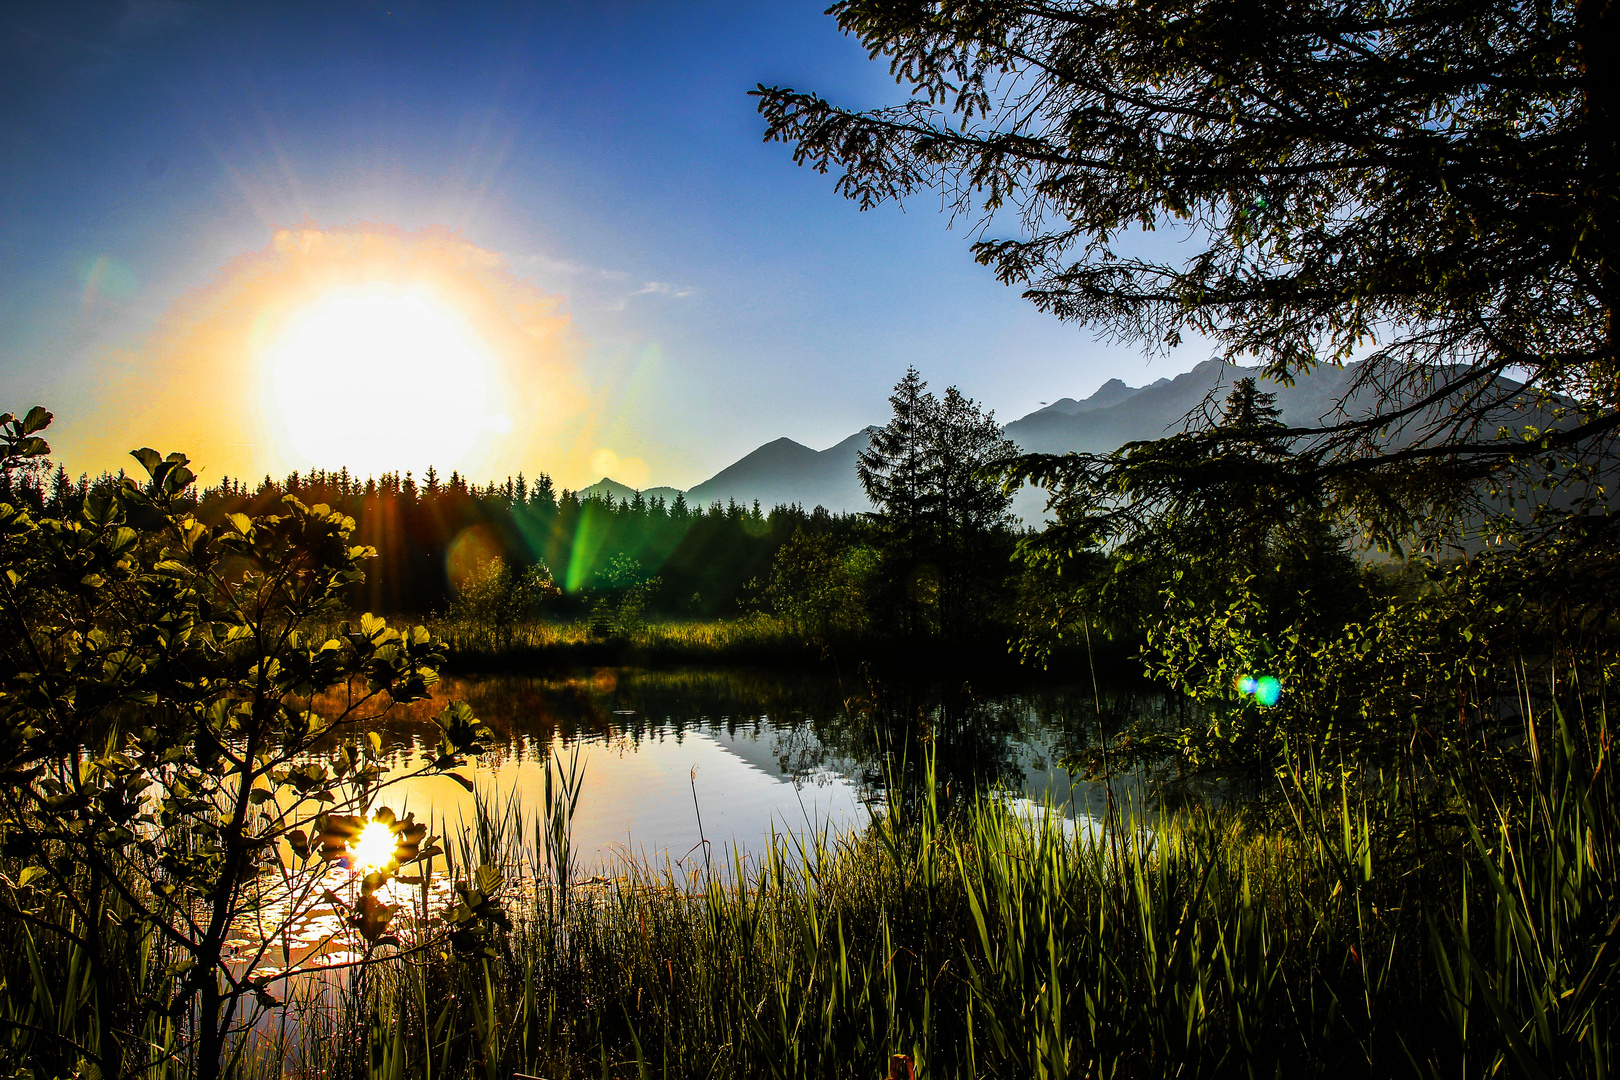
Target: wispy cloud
(538, 264)
(593, 287)
(663, 288)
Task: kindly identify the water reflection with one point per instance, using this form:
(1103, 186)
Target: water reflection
(676, 758)
(683, 770)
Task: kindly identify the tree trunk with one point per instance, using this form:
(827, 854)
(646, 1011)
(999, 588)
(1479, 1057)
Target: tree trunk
(1597, 35)
(210, 1044)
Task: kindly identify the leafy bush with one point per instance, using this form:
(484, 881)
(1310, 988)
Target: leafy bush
(496, 600)
(159, 708)
(818, 585)
(621, 609)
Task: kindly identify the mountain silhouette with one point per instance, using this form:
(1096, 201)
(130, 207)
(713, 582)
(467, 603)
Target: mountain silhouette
(609, 486)
(780, 472)
(1123, 414)
(624, 492)
(787, 472)
(1108, 394)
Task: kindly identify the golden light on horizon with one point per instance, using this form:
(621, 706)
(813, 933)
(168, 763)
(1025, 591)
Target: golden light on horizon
(382, 376)
(367, 347)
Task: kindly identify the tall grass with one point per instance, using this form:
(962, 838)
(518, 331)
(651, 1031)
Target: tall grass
(479, 642)
(1417, 925)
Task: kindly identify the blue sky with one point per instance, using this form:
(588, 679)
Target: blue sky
(717, 295)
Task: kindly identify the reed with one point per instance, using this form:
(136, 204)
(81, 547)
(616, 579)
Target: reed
(1413, 923)
(480, 643)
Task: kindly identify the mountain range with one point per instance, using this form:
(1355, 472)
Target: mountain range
(785, 471)
(782, 471)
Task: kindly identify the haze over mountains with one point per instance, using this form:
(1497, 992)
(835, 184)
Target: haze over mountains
(782, 471)
(788, 472)
(1117, 414)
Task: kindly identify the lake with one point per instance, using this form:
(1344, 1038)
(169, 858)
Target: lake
(672, 758)
(685, 770)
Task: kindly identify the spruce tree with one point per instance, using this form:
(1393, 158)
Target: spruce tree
(1428, 190)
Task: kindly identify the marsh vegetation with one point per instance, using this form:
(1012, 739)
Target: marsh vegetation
(1378, 834)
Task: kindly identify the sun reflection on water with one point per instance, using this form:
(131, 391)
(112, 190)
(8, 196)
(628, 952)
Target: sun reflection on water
(374, 848)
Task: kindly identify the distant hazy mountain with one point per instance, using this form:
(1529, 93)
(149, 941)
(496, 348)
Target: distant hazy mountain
(1109, 394)
(1118, 414)
(778, 472)
(624, 492)
(608, 486)
(788, 472)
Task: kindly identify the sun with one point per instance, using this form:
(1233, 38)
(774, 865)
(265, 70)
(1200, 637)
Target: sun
(374, 848)
(380, 378)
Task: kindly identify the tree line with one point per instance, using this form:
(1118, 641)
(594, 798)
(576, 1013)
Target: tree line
(1432, 189)
(934, 560)
(433, 535)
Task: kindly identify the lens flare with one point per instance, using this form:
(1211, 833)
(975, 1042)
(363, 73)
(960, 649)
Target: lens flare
(1265, 690)
(472, 549)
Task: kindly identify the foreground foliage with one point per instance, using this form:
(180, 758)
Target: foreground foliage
(163, 816)
(1452, 924)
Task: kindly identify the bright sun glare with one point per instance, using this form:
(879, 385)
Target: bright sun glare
(374, 847)
(382, 378)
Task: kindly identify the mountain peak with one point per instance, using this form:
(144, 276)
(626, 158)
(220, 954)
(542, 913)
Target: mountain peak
(785, 471)
(608, 486)
(1107, 395)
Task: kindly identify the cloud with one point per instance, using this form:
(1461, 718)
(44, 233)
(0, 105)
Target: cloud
(663, 288)
(620, 301)
(536, 264)
(594, 288)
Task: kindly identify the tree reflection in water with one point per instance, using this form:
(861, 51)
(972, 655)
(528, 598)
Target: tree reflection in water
(771, 749)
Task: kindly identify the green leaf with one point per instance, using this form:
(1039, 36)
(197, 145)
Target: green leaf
(150, 459)
(178, 479)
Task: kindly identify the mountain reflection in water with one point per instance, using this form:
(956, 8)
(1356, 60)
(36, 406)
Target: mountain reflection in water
(752, 752)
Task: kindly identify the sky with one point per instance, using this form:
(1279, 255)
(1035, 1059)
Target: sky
(491, 237)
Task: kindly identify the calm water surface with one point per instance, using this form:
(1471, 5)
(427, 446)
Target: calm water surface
(671, 758)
